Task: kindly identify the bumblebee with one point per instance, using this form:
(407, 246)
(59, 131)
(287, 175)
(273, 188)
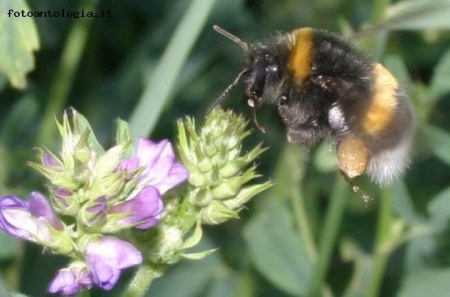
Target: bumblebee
(324, 88)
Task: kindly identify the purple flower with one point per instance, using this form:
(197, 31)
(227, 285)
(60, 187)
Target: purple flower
(61, 196)
(143, 211)
(107, 257)
(70, 281)
(49, 160)
(28, 220)
(160, 169)
(96, 211)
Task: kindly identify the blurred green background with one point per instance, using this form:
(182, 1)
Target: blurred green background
(153, 62)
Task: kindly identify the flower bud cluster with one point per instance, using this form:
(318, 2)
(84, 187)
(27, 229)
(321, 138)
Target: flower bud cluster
(103, 192)
(219, 170)
(99, 192)
(219, 167)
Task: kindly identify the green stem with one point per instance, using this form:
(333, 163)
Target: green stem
(301, 220)
(383, 240)
(158, 91)
(246, 283)
(329, 234)
(292, 179)
(65, 74)
(142, 280)
(85, 293)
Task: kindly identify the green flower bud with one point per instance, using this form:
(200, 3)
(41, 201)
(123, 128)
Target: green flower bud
(107, 163)
(217, 212)
(196, 178)
(82, 151)
(167, 245)
(218, 165)
(54, 170)
(200, 197)
(108, 186)
(93, 212)
(245, 195)
(65, 202)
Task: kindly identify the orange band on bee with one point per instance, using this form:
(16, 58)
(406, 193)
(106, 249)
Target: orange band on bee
(302, 52)
(383, 102)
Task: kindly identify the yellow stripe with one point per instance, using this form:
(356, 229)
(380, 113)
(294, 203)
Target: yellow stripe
(383, 102)
(301, 54)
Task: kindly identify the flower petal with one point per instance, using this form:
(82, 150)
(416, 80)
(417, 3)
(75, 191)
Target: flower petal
(177, 174)
(161, 170)
(103, 275)
(70, 281)
(64, 283)
(145, 209)
(16, 219)
(149, 152)
(129, 164)
(157, 159)
(40, 207)
(106, 258)
(49, 160)
(114, 252)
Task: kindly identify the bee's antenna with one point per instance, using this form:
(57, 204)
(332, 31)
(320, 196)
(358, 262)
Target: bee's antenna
(225, 93)
(231, 37)
(236, 80)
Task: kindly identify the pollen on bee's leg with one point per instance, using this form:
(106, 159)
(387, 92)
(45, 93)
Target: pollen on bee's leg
(352, 156)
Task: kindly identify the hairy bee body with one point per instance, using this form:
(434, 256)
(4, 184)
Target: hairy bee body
(324, 88)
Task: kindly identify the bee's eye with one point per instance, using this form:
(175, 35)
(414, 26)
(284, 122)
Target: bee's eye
(260, 81)
(272, 69)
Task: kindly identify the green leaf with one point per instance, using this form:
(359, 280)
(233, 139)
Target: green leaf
(224, 285)
(325, 158)
(276, 249)
(123, 137)
(8, 246)
(198, 255)
(4, 292)
(83, 124)
(439, 83)
(439, 142)
(5, 167)
(403, 205)
(398, 68)
(419, 249)
(189, 278)
(362, 270)
(19, 120)
(427, 283)
(195, 238)
(416, 15)
(423, 244)
(162, 83)
(18, 39)
(247, 281)
(439, 210)
(123, 132)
